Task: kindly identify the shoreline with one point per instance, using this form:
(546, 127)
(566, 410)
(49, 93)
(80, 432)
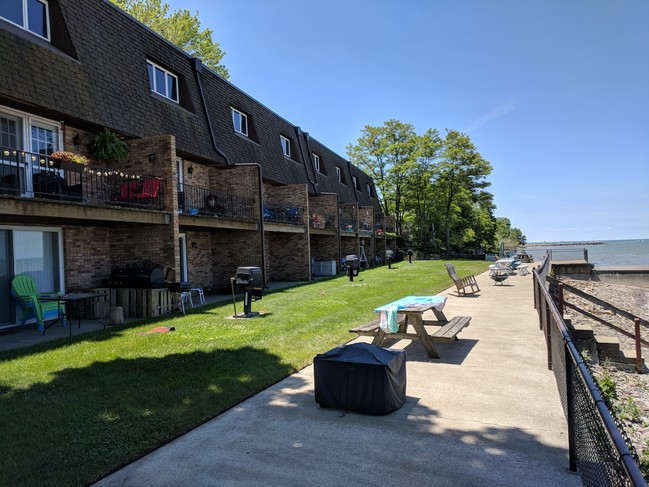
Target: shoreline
(560, 244)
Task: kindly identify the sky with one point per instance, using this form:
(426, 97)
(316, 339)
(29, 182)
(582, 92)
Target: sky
(553, 93)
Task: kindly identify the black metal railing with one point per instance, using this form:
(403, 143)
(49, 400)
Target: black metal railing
(194, 200)
(33, 175)
(321, 220)
(347, 225)
(290, 215)
(597, 449)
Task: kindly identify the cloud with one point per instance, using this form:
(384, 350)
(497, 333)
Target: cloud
(496, 112)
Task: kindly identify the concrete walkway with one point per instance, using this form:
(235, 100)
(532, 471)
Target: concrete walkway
(486, 413)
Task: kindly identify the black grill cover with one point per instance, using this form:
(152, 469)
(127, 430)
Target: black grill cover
(362, 378)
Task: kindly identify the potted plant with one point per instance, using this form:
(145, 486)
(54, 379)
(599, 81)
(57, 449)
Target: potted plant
(68, 161)
(107, 147)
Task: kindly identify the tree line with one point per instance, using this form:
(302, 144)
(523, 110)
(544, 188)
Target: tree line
(435, 186)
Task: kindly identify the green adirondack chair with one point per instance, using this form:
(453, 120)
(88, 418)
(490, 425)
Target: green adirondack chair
(23, 290)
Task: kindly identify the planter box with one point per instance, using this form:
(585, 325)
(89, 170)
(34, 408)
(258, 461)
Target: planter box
(68, 166)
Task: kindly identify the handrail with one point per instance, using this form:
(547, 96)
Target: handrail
(549, 315)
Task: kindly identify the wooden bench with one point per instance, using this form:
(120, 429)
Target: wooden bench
(465, 285)
(446, 333)
(449, 332)
(368, 329)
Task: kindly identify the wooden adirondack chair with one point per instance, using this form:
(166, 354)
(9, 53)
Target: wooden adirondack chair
(23, 290)
(465, 285)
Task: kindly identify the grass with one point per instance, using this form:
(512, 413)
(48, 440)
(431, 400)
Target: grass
(74, 409)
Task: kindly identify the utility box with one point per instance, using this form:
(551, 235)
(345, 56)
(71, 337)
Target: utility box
(324, 268)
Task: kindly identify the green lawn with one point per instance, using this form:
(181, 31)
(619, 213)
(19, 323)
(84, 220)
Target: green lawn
(74, 409)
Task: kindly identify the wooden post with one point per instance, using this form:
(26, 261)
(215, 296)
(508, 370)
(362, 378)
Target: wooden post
(638, 346)
(560, 303)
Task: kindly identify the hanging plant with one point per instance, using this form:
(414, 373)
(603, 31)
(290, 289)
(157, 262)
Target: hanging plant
(107, 147)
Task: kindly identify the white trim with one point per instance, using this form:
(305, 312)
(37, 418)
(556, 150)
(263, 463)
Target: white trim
(316, 162)
(25, 25)
(286, 145)
(167, 89)
(339, 174)
(242, 116)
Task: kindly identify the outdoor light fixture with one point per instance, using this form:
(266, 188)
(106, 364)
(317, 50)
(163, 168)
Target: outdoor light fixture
(190, 171)
(152, 156)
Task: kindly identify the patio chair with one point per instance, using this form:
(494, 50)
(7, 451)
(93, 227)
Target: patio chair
(23, 290)
(465, 285)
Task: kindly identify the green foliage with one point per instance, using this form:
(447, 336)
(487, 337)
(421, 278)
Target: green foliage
(107, 147)
(179, 27)
(512, 237)
(607, 383)
(628, 411)
(77, 408)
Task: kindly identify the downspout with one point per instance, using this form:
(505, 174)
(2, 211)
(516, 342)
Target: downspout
(298, 134)
(198, 70)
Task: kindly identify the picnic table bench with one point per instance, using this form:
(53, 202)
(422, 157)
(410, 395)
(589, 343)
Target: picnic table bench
(447, 330)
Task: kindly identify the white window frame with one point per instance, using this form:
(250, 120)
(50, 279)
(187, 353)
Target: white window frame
(27, 121)
(286, 145)
(240, 122)
(368, 186)
(339, 174)
(355, 183)
(316, 162)
(167, 89)
(25, 25)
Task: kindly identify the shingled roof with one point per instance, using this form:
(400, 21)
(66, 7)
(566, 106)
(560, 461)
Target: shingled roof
(93, 73)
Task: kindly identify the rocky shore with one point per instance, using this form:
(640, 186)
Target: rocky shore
(631, 390)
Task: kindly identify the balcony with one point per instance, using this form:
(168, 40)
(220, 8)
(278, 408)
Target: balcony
(196, 201)
(347, 225)
(31, 175)
(285, 215)
(321, 221)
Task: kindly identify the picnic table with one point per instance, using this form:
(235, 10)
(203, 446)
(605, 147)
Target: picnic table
(410, 311)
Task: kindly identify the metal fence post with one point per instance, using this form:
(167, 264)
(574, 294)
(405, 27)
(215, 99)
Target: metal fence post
(560, 297)
(570, 406)
(548, 333)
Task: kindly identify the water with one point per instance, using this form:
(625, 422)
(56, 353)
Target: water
(610, 253)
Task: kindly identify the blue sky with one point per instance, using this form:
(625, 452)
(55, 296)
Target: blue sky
(554, 93)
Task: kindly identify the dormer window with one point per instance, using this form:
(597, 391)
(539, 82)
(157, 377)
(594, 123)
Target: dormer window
(286, 145)
(240, 122)
(31, 15)
(163, 82)
(339, 174)
(316, 162)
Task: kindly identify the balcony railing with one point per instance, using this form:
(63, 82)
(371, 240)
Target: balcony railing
(347, 225)
(193, 200)
(290, 215)
(321, 220)
(38, 176)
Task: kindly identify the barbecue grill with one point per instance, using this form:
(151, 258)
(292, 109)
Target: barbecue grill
(137, 277)
(250, 281)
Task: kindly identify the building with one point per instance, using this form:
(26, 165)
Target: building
(212, 180)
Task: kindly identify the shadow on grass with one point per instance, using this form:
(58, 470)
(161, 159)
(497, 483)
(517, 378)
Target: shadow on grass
(88, 421)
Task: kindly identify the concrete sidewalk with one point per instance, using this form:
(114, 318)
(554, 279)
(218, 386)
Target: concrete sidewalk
(486, 413)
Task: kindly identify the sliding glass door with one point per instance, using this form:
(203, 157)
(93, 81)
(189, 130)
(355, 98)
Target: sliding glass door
(35, 252)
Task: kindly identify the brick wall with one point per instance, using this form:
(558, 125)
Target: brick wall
(349, 246)
(325, 247)
(199, 258)
(287, 257)
(241, 181)
(232, 249)
(86, 262)
(134, 244)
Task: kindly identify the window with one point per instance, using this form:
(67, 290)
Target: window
(355, 182)
(286, 145)
(369, 189)
(163, 82)
(31, 15)
(240, 122)
(316, 162)
(339, 174)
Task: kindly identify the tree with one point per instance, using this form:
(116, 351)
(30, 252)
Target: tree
(460, 172)
(179, 27)
(511, 237)
(387, 154)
